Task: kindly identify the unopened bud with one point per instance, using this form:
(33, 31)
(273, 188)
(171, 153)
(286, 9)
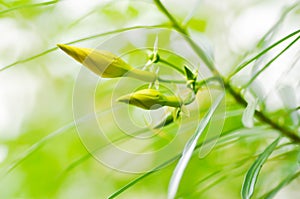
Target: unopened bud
(106, 64)
(150, 99)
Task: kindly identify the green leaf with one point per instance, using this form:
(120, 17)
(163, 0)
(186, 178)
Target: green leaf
(133, 182)
(253, 172)
(271, 61)
(189, 74)
(191, 78)
(244, 64)
(167, 121)
(28, 6)
(46, 139)
(159, 167)
(21, 61)
(189, 148)
(275, 28)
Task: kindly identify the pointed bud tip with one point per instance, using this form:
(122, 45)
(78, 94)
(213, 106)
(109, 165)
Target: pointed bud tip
(63, 47)
(125, 98)
(79, 54)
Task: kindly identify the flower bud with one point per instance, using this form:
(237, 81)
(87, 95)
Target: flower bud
(150, 99)
(106, 64)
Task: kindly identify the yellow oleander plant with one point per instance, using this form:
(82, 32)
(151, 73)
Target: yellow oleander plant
(189, 99)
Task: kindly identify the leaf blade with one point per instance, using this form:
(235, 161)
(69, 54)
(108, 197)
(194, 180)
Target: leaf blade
(188, 150)
(253, 172)
(21, 61)
(244, 64)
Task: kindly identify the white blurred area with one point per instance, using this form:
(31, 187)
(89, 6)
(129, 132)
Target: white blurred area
(20, 39)
(233, 28)
(17, 93)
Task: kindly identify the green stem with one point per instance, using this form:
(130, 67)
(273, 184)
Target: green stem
(206, 81)
(171, 81)
(163, 61)
(263, 117)
(183, 31)
(142, 75)
(236, 94)
(175, 24)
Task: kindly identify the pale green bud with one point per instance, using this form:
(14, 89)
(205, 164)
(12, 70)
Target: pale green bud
(106, 64)
(150, 99)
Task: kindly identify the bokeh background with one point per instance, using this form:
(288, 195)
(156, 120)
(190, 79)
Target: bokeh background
(41, 151)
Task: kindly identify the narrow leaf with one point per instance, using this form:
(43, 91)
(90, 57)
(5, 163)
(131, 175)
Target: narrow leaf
(136, 180)
(21, 61)
(265, 40)
(37, 145)
(169, 161)
(188, 150)
(244, 64)
(27, 6)
(271, 61)
(253, 172)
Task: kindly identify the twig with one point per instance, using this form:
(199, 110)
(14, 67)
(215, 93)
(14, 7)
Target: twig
(236, 94)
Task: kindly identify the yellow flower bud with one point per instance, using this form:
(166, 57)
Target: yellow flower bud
(106, 64)
(150, 99)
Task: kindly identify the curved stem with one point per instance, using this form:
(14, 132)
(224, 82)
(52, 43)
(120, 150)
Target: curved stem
(175, 24)
(263, 117)
(197, 49)
(163, 61)
(77, 41)
(236, 94)
(171, 81)
(208, 80)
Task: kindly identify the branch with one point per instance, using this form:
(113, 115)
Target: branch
(236, 94)
(196, 47)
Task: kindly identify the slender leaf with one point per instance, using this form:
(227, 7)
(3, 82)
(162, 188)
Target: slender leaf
(46, 139)
(279, 80)
(253, 172)
(174, 158)
(28, 6)
(167, 121)
(189, 148)
(275, 28)
(76, 41)
(244, 64)
(133, 182)
(271, 61)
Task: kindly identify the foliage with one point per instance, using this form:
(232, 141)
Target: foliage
(227, 123)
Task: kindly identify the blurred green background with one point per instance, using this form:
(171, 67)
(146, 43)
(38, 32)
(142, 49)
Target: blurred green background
(41, 152)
